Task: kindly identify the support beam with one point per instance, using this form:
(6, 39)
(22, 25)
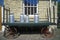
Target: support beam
(0, 19)
(50, 10)
(50, 2)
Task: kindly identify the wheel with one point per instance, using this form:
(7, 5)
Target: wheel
(11, 33)
(48, 32)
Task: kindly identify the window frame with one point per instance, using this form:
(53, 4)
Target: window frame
(30, 9)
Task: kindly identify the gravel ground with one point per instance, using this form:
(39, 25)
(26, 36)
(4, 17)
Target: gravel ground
(33, 37)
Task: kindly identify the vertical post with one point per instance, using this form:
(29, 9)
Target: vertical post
(0, 18)
(3, 14)
(37, 7)
(48, 14)
(50, 10)
(33, 7)
(50, 2)
(23, 7)
(30, 7)
(27, 7)
(56, 11)
(53, 14)
(6, 15)
(9, 15)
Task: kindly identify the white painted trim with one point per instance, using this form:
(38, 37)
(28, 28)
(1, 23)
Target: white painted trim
(27, 8)
(50, 2)
(23, 7)
(37, 8)
(2, 14)
(56, 12)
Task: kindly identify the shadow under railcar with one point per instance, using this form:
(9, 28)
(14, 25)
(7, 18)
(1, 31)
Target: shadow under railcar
(29, 30)
(58, 21)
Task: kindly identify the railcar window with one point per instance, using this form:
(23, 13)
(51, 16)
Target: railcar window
(30, 7)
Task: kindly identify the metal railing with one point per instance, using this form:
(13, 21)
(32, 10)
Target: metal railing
(6, 13)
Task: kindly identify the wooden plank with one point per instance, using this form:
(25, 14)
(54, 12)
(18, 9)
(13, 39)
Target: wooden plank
(0, 19)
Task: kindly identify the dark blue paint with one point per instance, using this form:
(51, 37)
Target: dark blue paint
(31, 2)
(58, 0)
(1, 2)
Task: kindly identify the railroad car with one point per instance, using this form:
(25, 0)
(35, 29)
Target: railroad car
(30, 17)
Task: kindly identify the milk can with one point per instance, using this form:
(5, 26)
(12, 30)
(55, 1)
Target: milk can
(22, 18)
(11, 18)
(36, 18)
(27, 19)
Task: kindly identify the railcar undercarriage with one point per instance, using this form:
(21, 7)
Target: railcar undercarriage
(12, 31)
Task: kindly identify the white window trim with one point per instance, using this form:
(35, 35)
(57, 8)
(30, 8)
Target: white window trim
(29, 6)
